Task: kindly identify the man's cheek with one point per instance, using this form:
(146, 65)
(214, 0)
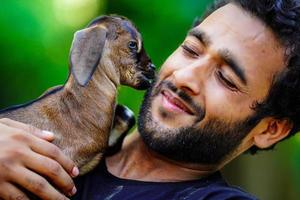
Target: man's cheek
(174, 62)
(221, 102)
(217, 101)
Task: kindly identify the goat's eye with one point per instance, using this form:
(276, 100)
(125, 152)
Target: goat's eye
(132, 45)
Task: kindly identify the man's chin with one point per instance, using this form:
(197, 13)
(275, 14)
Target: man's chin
(208, 145)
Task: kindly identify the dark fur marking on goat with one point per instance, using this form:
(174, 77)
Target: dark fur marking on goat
(130, 30)
(15, 107)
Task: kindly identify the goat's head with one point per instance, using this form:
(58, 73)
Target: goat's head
(120, 42)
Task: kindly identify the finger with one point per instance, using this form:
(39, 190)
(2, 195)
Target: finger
(52, 169)
(9, 192)
(46, 135)
(36, 184)
(45, 148)
(50, 150)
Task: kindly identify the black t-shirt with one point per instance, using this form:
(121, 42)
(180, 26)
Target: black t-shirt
(101, 185)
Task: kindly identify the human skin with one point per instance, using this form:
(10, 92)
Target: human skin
(197, 72)
(27, 158)
(195, 69)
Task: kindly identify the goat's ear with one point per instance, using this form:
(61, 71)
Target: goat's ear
(86, 52)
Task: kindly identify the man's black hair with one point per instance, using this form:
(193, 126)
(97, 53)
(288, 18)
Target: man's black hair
(283, 17)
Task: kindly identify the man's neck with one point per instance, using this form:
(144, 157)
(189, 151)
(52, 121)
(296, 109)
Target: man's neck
(136, 161)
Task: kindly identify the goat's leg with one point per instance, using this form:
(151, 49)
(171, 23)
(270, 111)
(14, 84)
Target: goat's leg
(124, 120)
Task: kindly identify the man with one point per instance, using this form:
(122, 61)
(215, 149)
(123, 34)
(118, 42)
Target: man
(231, 86)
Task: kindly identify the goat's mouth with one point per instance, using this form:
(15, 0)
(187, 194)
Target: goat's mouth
(145, 79)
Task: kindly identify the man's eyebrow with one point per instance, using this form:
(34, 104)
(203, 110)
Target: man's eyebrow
(201, 36)
(227, 57)
(225, 54)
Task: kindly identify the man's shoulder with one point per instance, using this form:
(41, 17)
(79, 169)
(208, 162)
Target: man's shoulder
(101, 184)
(221, 191)
(213, 187)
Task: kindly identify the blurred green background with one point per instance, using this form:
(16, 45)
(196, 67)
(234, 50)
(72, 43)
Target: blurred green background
(35, 39)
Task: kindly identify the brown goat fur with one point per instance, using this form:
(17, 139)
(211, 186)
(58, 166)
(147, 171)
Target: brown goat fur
(107, 53)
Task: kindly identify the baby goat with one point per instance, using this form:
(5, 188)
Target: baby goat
(107, 53)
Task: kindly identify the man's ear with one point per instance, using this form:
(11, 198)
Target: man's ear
(273, 130)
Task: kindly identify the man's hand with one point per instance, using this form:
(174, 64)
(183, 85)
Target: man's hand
(28, 159)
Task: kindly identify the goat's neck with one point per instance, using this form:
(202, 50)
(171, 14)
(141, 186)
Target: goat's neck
(91, 103)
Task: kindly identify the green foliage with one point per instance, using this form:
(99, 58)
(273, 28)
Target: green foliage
(163, 25)
(35, 39)
(36, 35)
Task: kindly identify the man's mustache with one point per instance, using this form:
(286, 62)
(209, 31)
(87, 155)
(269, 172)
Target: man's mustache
(199, 111)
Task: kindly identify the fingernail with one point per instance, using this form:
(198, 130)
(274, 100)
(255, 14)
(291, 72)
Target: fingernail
(75, 171)
(48, 133)
(73, 191)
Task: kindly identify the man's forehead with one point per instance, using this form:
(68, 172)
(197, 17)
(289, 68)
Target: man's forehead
(232, 23)
(234, 18)
(253, 45)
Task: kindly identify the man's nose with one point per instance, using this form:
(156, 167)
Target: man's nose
(191, 78)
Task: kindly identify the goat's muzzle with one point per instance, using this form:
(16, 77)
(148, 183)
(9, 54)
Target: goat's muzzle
(146, 76)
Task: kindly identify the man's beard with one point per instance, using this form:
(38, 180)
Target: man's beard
(208, 144)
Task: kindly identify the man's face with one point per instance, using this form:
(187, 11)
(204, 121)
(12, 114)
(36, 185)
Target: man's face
(200, 108)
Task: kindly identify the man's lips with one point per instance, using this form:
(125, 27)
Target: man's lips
(175, 103)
